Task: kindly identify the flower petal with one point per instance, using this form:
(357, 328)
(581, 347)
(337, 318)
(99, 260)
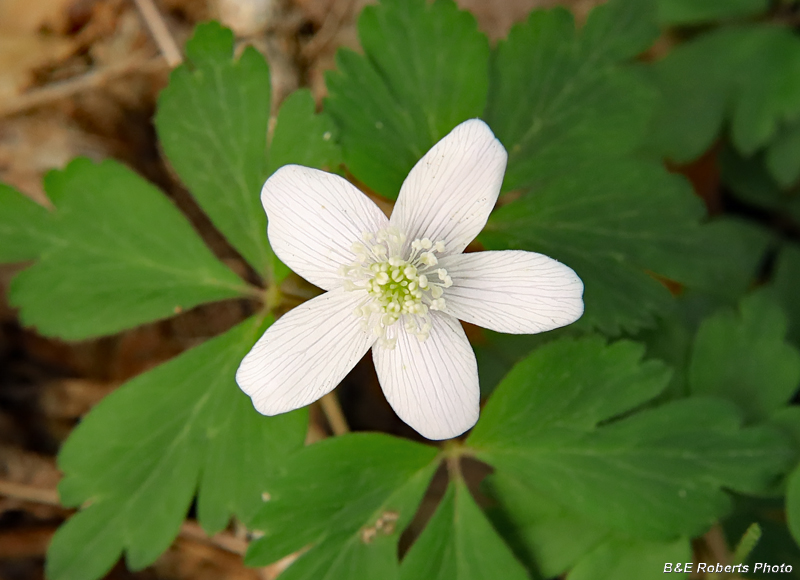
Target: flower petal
(431, 385)
(512, 291)
(305, 354)
(451, 191)
(313, 219)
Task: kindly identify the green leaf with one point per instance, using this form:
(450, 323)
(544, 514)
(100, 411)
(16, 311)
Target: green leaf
(670, 341)
(784, 287)
(544, 535)
(657, 474)
(552, 539)
(699, 11)
(620, 29)
(743, 357)
(120, 254)
(24, 226)
(303, 137)
(783, 156)
(139, 456)
(497, 352)
(87, 545)
(753, 72)
(346, 499)
(459, 543)
(793, 504)
(580, 382)
(769, 92)
(212, 121)
(424, 70)
(722, 258)
(612, 223)
(555, 95)
(750, 181)
(632, 559)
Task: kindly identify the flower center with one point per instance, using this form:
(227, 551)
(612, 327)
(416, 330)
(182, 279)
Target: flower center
(395, 285)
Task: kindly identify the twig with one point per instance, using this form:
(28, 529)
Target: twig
(717, 545)
(31, 493)
(189, 530)
(161, 34)
(73, 86)
(229, 542)
(224, 540)
(327, 32)
(333, 413)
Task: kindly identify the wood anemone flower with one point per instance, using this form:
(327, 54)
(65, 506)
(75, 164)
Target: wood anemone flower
(399, 286)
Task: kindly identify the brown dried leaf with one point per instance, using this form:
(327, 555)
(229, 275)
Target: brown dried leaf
(32, 16)
(31, 146)
(72, 398)
(21, 54)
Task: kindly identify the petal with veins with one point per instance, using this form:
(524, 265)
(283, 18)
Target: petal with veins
(431, 385)
(451, 191)
(305, 354)
(313, 219)
(512, 291)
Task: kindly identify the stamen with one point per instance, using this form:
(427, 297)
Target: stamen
(397, 283)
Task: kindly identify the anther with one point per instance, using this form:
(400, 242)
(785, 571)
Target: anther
(428, 259)
(396, 286)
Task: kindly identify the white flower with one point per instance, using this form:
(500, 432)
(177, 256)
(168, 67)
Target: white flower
(399, 285)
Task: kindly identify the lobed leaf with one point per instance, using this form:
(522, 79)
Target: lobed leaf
(545, 536)
(459, 543)
(620, 29)
(423, 71)
(632, 559)
(303, 137)
(24, 226)
(343, 502)
(722, 258)
(783, 155)
(551, 539)
(750, 181)
(793, 504)
(139, 456)
(750, 74)
(657, 474)
(784, 287)
(576, 95)
(612, 223)
(212, 122)
(118, 254)
(743, 357)
(699, 11)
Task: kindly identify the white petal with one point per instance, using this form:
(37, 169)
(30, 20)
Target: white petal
(305, 354)
(512, 291)
(431, 385)
(313, 219)
(451, 191)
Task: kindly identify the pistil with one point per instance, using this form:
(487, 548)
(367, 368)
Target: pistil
(396, 282)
